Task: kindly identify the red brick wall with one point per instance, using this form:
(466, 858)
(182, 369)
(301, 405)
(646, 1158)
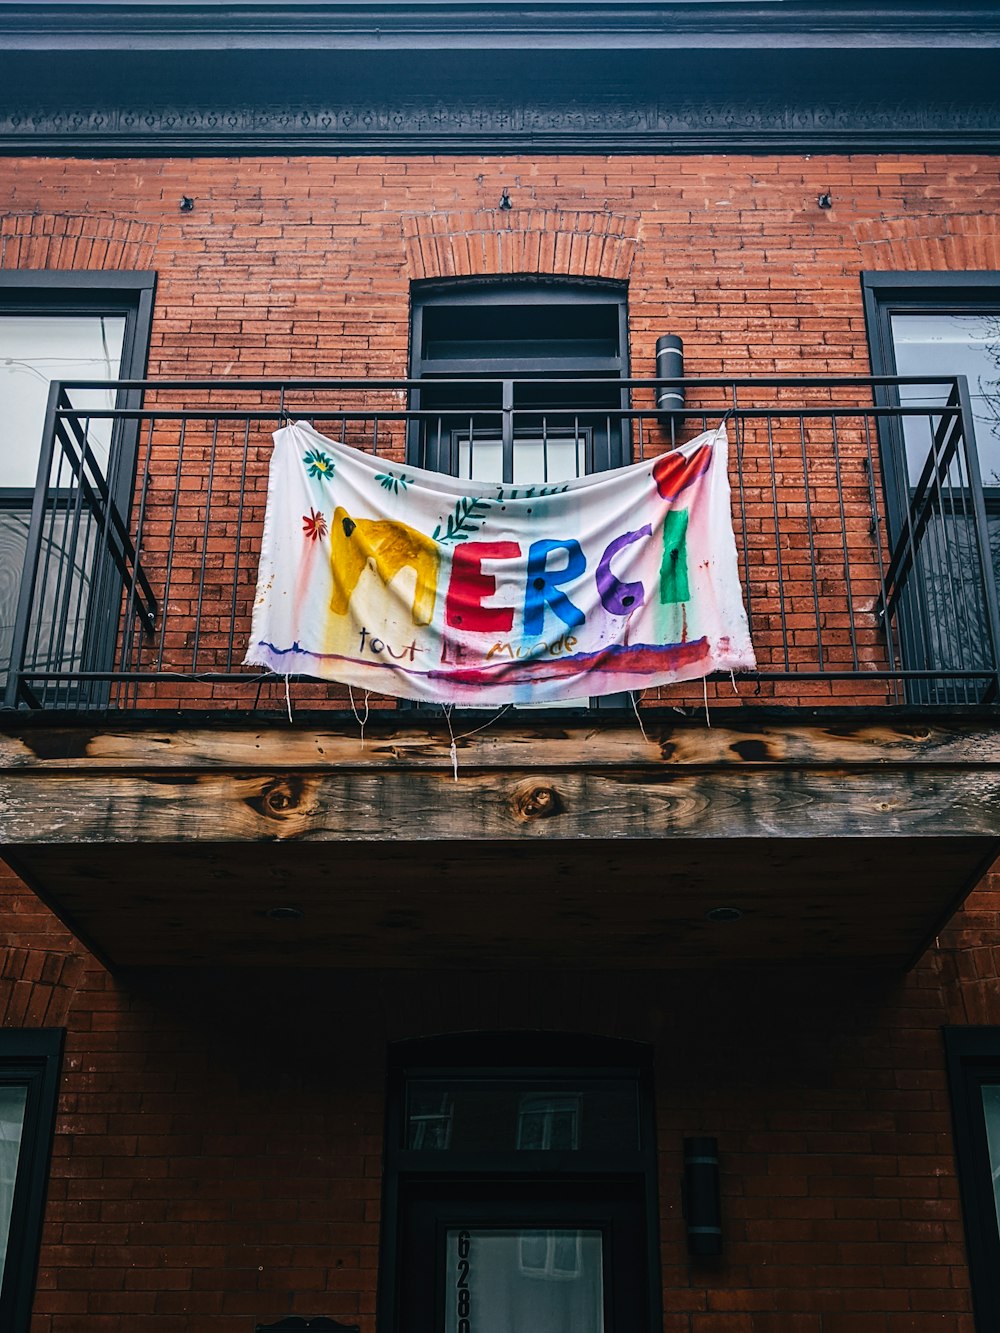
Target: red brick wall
(303, 267)
(217, 1157)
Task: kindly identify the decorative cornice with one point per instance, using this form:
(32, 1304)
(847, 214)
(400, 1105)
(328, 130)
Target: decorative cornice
(510, 24)
(417, 126)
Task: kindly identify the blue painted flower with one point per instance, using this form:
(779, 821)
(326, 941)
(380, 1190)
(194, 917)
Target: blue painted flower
(319, 464)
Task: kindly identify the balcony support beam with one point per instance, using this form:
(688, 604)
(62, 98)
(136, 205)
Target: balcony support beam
(836, 837)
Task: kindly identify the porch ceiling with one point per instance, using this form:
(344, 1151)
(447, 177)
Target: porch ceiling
(557, 845)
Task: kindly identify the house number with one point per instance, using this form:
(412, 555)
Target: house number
(462, 1285)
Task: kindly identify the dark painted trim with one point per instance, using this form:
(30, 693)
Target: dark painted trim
(460, 24)
(32, 1058)
(445, 100)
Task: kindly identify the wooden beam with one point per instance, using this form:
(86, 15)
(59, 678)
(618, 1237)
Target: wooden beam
(871, 740)
(521, 805)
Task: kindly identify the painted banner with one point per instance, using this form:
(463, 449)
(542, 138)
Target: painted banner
(431, 587)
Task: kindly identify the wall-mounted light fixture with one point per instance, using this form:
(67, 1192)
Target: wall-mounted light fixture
(669, 366)
(702, 1208)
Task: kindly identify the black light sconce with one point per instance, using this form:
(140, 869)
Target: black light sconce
(669, 366)
(702, 1207)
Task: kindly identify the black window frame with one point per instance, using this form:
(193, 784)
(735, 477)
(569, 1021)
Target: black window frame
(130, 293)
(554, 1187)
(927, 292)
(973, 1059)
(487, 293)
(525, 290)
(32, 1058)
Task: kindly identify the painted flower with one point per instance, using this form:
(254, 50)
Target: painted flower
(314, 525)
(319, 464)
(389, 481)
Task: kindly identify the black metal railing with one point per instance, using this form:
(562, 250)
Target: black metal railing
(865, 539)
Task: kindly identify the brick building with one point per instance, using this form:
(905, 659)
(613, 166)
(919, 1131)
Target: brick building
(328, 1008)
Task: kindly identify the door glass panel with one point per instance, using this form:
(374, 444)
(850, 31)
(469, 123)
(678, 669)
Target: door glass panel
(13, 1100)
(531, 1280)
(504, 1115)
(991, 1110)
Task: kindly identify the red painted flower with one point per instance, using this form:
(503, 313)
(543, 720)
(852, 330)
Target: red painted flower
(314, 525)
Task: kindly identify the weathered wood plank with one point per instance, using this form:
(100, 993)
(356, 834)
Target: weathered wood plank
(358, 805)
(547, 745)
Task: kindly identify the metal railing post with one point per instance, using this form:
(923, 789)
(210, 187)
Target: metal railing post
(982, 530)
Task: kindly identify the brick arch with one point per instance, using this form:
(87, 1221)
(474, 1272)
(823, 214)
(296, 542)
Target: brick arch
(92, 242)
(958, 242)
(524, 242)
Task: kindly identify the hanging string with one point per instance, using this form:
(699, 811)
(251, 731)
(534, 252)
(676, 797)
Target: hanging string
(357, 716)
(732, 681)
(638, 716)
(288, 698)
(704, 686)
(453, 748)
(495, 718)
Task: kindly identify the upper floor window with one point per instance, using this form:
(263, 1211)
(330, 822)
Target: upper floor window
(58, 326)
(514, 377)
(942, 492)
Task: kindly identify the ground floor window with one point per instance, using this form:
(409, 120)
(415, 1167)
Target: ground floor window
(974, 1075)
(520, 1187)
(29, 1084)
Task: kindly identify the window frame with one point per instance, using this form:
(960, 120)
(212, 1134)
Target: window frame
(928, 292)
(973, 1059)
(923, 292)
(581, 1184)
(523, 290)
(34, 1058)
(72, 293)
(518, 291)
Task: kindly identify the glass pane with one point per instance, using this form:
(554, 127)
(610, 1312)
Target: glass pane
(538, 459)
(991, 1109)
(12, 1103)
(62, 586)
(502, 1280)
(34, 351)
(504, 1115)
(952, 344)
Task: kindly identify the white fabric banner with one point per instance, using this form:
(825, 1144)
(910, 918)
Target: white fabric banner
(407, 582)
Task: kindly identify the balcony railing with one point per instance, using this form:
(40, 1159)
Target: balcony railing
(862, 528)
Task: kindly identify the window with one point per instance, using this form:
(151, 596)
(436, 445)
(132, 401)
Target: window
(524, 403)
(520, 383)
(519, 1187)
(29, 1085)
(974, 1076)
(64, 326)
(933, 324)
